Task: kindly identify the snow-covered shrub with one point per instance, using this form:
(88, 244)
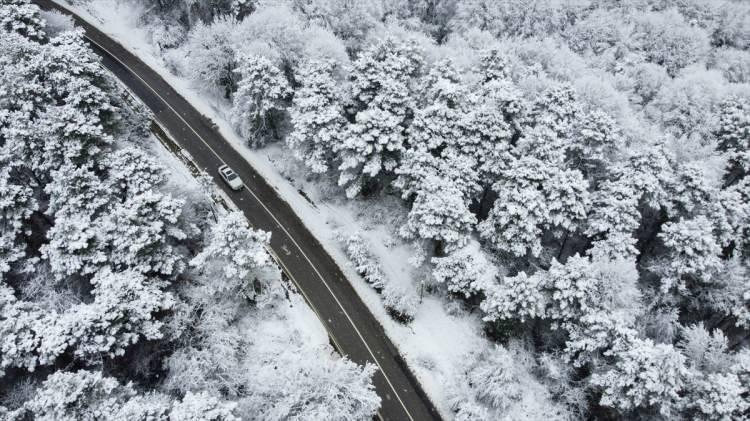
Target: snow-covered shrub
(400, 301)
(645, 375)
(357, 249)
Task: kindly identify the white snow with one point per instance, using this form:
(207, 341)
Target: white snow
(440, 337)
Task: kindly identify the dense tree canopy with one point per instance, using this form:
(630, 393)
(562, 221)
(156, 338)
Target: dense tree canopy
(108, 290)
(575, 171)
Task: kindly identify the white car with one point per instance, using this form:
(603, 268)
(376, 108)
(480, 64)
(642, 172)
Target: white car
(230, 177)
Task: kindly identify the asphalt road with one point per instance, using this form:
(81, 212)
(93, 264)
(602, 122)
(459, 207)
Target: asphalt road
(353, 330)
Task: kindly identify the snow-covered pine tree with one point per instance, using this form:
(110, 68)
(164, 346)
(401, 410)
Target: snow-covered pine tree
(259, 105)
(645, 376)
(16, 206)
(317, 114)
(733, 134)
(382, 107)
(534, 197)
(123, 312)
(235, 260)
(212, 58)
(439, 213)
(694, 256)
(21, 17)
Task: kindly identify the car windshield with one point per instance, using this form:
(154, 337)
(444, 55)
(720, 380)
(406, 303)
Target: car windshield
(231, 175)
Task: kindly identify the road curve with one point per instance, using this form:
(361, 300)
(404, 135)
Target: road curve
(353, 330)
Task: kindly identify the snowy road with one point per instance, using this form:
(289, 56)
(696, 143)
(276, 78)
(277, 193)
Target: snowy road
(352, 329)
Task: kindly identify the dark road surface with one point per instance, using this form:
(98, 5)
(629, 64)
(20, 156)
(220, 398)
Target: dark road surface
(351, 327)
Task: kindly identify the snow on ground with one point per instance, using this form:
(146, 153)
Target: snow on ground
(439, 338)
(290, 322)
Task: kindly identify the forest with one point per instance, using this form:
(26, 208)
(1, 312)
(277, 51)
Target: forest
(590, 156)
(575, 172)
(123, 294)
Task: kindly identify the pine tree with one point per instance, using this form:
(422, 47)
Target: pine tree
(613, 221)
(81, 395)
(259, 105)
(22, 17)
(122, 313)
(439, 213)
(733, 132)
(418, 165)
(598, 142)
(496, 116)
(557, 109)
(141, 234)
(317, 115)
(89, 395)
(694, 255)
(130, 172)
(519, 297)
(382, 106)
(645, 375)
(437, 125)
(582, 287)
(235, 260)
(16, 206)
(23, 327)
(718, 396)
